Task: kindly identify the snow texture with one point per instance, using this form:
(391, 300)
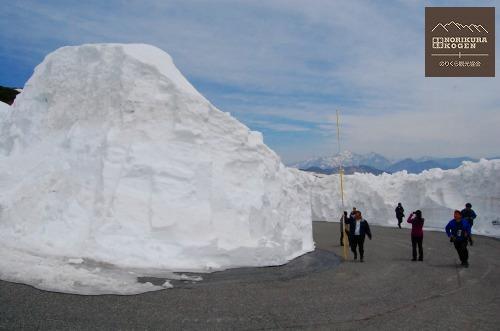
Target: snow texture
(113, 166)
(437, 193)
(4, 109)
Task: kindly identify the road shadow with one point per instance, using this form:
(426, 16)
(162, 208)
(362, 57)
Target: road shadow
(317, 261)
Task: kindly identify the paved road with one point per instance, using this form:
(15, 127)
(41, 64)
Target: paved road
(386, 292)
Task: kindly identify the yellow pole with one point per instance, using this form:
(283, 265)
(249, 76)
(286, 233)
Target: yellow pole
(341, 174)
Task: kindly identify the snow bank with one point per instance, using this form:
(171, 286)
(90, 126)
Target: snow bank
(436, 192)
(111, 157)
(4, 108)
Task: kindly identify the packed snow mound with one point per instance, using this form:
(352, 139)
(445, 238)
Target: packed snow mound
(4, 109)
(436, 192)
(111, 157)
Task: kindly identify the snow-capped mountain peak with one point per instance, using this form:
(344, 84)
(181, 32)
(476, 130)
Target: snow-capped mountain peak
(346, 159)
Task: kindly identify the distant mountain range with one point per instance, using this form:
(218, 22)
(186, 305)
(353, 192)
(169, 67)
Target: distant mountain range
(349, 170)
(348, 159)
(376, 164)
(412, 166)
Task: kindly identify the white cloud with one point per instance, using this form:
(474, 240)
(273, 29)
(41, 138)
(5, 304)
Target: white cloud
(279, 127)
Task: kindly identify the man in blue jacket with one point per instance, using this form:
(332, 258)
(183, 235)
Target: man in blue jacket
(458, 230)
(357, 230)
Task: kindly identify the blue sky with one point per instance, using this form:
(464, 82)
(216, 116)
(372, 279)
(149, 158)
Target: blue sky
(284, 67)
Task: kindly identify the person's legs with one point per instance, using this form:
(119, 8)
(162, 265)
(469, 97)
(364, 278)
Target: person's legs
(420, 249)
(354, 244)
(414, 248)
(459, 249)
(463, 254)
(361, 242)
(400, 220)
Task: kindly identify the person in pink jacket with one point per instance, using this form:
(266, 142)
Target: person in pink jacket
(417, 234)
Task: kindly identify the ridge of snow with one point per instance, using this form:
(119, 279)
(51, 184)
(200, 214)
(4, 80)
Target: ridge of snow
(111, 157)
(151, 55)
(4, 109)
(436, 192)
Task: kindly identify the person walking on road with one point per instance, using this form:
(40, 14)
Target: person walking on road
(469, 215)
(458, 230)
(343, 221)
(417, 234)
(400, 214)
(358, 229)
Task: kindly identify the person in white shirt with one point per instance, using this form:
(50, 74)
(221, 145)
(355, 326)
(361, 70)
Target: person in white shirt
(358, 229)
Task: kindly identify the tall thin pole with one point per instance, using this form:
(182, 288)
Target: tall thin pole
(341, 173)
(341, 170)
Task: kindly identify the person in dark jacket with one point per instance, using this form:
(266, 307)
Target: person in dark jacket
(358, 229)
(469, 215)
(400, 214)
(417, 234)
(458, 230)
(343, 221)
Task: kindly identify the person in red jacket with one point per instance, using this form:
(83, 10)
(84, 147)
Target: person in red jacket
(417, 234)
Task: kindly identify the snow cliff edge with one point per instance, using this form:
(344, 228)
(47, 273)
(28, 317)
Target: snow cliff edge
(110, 154)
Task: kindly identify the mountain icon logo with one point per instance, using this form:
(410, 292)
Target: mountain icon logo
(452, 25)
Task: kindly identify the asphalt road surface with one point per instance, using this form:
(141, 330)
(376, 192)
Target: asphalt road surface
(387, 292)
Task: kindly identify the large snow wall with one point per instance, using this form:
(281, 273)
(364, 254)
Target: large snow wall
(436, 192)
(4, 109)
(110, 156)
